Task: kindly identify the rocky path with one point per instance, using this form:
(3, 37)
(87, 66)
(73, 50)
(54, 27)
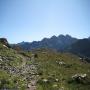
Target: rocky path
(30, 72)
(27, 70)
(32, 84)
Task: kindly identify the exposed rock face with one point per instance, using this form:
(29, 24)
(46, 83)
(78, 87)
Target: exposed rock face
(4, 42)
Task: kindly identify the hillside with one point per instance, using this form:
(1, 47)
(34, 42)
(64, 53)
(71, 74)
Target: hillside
(17, 71)
(81, 47)
(62, 71)
(42, 69)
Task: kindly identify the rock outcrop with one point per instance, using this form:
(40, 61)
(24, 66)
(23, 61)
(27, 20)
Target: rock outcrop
(4, 42)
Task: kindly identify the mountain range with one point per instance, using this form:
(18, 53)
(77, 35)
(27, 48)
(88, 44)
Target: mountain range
(60, 43)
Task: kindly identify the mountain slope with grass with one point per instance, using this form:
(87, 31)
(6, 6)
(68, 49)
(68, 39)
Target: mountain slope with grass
(42, 69)
(62, 71)
(17, 69)
(81, 47)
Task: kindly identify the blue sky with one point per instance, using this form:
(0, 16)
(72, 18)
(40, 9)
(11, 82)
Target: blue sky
(28, 20)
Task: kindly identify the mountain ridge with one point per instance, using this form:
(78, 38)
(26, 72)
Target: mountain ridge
(60, 43)
(55, 42)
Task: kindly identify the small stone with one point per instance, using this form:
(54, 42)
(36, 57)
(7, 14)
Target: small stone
(28, 86)
(0, 59)
(56, 80)
(5, 46)
(55, 85)
(45, 80)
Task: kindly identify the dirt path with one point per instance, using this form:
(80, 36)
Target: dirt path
(32, 70)
(32, 84)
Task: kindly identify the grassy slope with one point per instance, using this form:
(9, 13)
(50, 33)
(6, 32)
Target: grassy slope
(49, 69)
(10, 59)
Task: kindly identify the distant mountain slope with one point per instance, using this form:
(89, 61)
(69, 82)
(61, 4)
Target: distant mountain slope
(81, 47)
(58, 43)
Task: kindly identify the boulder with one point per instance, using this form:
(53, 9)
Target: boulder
(79, 78)
(60, 62)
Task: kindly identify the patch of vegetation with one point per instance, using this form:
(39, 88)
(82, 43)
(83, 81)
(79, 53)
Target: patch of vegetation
(8, 81)
(58, 68)
(52, 70)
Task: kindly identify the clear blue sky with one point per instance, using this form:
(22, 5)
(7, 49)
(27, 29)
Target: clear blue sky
(28, 20)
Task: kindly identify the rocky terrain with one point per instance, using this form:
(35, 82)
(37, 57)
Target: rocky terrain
(16, 70)
(42, 69)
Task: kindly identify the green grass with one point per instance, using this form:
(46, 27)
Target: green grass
(11, 59)
(9, 81)
(57, 76)
(50, 70)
